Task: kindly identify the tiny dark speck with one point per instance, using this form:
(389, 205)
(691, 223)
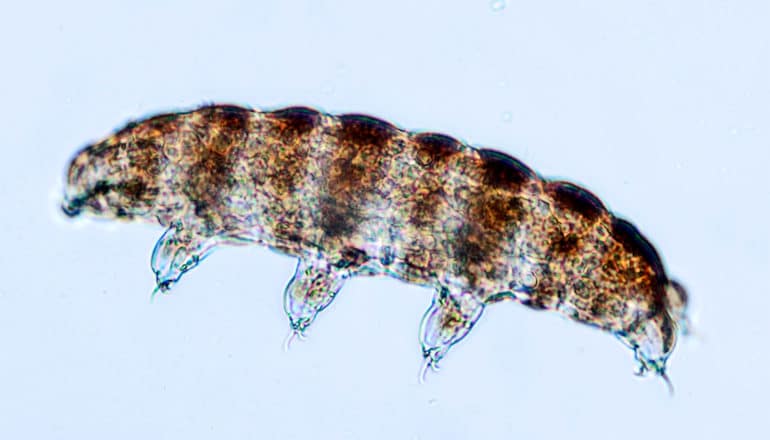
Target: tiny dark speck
(71, 209)
(387, 256)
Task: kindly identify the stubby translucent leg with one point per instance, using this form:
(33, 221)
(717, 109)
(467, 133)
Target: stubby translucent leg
(312, 288)
(652, 340)
(178, 250)
(447, 321)
(676, 299)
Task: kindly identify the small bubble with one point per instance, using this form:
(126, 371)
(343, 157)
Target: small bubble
(506, 116)
(497, 5)
(327, 88)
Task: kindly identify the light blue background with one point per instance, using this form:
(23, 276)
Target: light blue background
(660, 107)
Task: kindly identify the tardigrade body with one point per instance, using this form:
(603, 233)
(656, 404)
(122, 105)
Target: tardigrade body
(353, 195)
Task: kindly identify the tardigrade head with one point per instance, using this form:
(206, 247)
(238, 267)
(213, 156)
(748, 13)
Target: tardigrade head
(117, 177)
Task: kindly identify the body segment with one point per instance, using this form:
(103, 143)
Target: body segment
(353, 195)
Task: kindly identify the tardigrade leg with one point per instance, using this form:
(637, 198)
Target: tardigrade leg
(448, 320)
(179, 249)
(652, 339)
(312, 288)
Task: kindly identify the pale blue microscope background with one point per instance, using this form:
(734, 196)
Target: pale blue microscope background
(661, 108)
